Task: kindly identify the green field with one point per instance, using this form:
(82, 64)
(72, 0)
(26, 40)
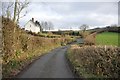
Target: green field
(107, 38)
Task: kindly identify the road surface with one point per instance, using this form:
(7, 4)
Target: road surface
(51, 65)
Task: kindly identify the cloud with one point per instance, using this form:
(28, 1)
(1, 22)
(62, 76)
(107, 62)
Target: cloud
(74, 14)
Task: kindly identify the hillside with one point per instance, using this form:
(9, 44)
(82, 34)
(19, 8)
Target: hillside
(104, 29)
(21, 48)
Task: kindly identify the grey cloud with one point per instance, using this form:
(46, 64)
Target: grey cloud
(74, 14)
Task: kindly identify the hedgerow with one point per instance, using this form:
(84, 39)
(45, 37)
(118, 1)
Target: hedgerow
(95, 61)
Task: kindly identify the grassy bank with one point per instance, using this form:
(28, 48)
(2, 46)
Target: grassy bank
(95, 61)
(107, 38)
(21, 48)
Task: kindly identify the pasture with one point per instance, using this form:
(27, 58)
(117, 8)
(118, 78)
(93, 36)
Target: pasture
(108, 38)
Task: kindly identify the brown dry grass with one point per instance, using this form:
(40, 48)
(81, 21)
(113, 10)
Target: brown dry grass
(95, 61)
(90, 39)
(84, 34)
(20, 48)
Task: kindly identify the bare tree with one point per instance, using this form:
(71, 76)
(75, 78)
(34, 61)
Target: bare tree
(9, 14)
(20, 8)
(7, 9)
(50, 25)
(47, 25)
(15, 10)
(84, 27)
(44, 25)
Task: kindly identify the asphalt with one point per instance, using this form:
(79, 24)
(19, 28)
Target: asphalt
(51, 65)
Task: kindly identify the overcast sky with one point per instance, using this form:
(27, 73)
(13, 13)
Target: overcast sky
(66, 15)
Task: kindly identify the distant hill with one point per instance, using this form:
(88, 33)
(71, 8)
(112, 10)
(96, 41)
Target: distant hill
(109, 29)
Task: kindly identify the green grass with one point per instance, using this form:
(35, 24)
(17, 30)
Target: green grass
(107, 38)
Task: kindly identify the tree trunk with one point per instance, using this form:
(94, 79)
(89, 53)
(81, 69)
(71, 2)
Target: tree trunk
(15, 10)
(18, 18)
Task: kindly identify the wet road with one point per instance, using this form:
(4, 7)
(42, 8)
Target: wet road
(51, 65)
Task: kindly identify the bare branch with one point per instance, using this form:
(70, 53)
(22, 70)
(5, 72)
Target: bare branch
(20, 8)
(84, 27)
(7, 9)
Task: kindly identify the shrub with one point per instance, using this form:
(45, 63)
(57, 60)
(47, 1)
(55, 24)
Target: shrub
(84, 34)
(95, 61)
(21, 47)
(90, 39)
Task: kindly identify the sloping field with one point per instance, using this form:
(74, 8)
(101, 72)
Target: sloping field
(108, 38)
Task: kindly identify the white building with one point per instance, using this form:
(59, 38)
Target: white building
(32, 26)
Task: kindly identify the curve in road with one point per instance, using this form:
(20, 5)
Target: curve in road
(51, 65)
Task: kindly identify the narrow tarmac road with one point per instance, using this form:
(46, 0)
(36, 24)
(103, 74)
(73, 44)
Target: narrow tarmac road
(51, 65)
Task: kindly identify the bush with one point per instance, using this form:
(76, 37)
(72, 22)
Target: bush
(21, 47)
(84, 34)
(95, 61)
(90, 39)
